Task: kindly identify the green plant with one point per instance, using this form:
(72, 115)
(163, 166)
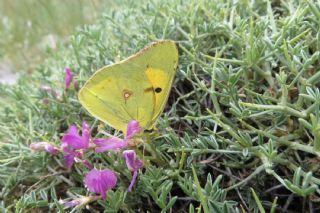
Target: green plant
(240, 127)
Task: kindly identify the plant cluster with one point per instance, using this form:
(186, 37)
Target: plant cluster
(240, 132)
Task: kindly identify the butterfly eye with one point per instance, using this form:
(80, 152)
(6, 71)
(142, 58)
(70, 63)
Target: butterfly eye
(158, 90)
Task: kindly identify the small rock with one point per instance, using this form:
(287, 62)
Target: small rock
(7, 76)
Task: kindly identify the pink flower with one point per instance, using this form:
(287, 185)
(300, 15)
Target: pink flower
(133, 165)
(44, 146)
(100, 181)
(83, 200)
(112, 143)
(74, 140)
(73, 144)
(68, 78)
(133, 128)
(71, 203)
(115, 143)
(49, 90)
(76, 85)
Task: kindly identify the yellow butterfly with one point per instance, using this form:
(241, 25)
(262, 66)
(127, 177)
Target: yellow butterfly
(136, 88)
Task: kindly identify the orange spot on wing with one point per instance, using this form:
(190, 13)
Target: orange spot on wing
(127, 94)
(150, 89)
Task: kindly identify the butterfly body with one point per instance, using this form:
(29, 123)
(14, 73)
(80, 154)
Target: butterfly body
(136, 88)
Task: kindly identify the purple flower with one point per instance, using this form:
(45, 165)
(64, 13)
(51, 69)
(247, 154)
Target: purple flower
(46, 88)
(115, 143)
(70, 156)
(76, 85)
(68, 77)
(100, 181)
(112, 143)
(44, 146)
(49, 90)
(79, 201)
(133, 165)
(71, 203)
(74, 140)
(73, 144)
(133, 128)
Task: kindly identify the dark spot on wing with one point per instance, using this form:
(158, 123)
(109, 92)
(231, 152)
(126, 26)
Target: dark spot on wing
(158, 90)
(151, 89)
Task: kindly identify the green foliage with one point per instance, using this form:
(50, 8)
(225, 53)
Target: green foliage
(241, 129)
(115, 201)
(158, 188)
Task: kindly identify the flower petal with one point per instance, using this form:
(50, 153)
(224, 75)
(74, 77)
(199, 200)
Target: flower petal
(73, 131)
(100, 181)
(70, 156)
(68, 160)
(85, 133)
(132, 129)
(132, 162)
(133, 180)
(76, 85)
(73, 139)
(83, 162)
(51, 149)
(112, 143)
(68, 77)
(72, 203)
(48, 90)
(79, 201)
(44, 146)
(87, 164)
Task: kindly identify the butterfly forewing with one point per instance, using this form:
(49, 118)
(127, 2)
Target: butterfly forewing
(163, 60)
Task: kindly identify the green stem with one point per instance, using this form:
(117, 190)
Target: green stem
(213, 85)
(311, 109)
(202, 151)
(278, 108)
(314, 79)
(231, 61)
(228, 129)
(193, 56)
(293, 167)
(279, 141)
(202, 197)
(156, 157)
(247, 179)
